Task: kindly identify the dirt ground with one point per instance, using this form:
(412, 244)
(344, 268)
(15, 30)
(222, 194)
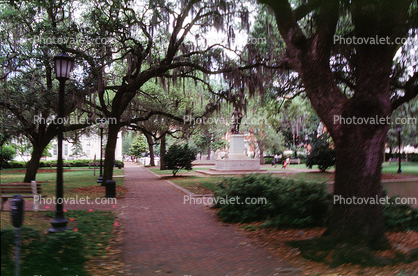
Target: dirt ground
(276, 240)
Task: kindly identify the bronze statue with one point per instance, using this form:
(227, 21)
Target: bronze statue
(236, 121)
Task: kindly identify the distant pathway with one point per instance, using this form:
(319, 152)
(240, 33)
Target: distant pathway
(163, 236)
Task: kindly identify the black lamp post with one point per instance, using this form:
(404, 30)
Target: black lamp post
(63, 66)
(399, 128)
(101, 126)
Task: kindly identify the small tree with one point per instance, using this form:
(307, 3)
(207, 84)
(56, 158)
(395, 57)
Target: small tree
(179, 157)
(139, 146)
(77, 150)
(7, 153)
(321, 153)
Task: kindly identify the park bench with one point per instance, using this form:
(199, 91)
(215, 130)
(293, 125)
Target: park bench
(94, 164)
(294, 161)
(26, 190)
(64, 164)
(397, 160)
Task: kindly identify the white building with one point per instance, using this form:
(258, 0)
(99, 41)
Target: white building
(90, 146)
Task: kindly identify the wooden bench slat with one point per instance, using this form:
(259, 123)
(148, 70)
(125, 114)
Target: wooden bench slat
(17, 191)
(8, 190)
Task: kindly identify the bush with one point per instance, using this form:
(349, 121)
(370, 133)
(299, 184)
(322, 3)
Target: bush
(14, 164)
(79, 163)
(119, 163)
(292, 203)
(44, 254)
(289, 202)
(268, 159)
(6, 153)
(179, 157)
(400, 217)
(321, 154)
(302, 157)
(413, 157)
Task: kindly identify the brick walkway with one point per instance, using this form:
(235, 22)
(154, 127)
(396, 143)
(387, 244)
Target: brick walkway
(163, 236)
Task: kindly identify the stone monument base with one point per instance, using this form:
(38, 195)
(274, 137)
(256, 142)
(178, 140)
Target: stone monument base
(236, 159)
(237, 165)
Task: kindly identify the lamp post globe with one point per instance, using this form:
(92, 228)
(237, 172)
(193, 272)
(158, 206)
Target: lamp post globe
(63, 67)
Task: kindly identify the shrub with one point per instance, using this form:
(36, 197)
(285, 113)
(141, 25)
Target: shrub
(289, 202)
(15, 164)
(413, 157)
(6, 153)
(119, 163)
(400, 216)
(79, 162)
(268, 159)
(302, 157)
(44, 254)
(179, 157)
(321, 153)
(292, 203)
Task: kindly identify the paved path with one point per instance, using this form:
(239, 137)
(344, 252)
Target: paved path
(164, 236)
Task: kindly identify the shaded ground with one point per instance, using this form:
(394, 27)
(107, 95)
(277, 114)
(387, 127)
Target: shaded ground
(275, 240)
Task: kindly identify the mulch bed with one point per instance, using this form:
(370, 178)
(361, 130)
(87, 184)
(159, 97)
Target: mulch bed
(275, 240)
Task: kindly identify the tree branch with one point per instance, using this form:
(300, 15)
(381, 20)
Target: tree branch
(411, 91)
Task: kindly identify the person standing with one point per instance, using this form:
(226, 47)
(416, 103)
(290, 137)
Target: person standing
(276, 160)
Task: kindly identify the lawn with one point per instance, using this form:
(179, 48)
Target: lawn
(410, 168)
(72, 179)
(92, 227)
(89, 239)
(198, 184)
(157, 170)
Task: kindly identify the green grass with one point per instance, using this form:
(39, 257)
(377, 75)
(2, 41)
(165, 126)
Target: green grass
(92, 227)
(189, 182)
(95, 226)
(64, 253)
(409, 168)
(316, 176)
(158, 171)
(72, 179)
(36, 220)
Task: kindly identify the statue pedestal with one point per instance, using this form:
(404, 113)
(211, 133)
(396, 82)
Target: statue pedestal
(237, 160)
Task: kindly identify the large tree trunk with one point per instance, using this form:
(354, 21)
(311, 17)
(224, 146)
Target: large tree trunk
(33, 164)
(359, 157)
(151, 149)
(112, 138)
(208, 158)
(162, 153)
(261, 146)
